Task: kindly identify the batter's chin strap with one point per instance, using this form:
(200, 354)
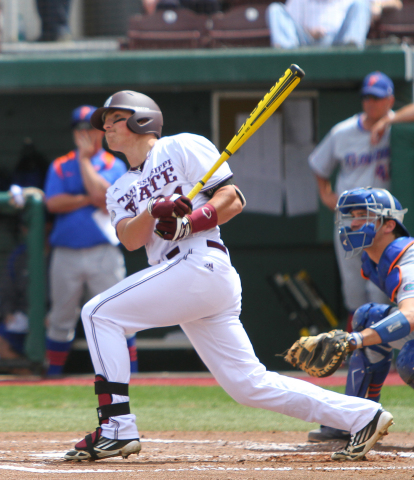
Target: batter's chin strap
(111, 409)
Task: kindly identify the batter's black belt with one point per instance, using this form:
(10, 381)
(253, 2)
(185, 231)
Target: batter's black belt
(210, 243)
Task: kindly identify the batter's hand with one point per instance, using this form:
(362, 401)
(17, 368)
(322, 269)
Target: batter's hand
(173, 228)
(173, 205)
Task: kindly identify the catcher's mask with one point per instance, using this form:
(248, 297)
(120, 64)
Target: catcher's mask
(378, 204)
(146, 118)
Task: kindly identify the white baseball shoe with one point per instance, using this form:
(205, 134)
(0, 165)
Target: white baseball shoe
(95, 447)
(362, 441)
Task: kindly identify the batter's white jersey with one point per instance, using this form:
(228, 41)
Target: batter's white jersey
(174, 165)
(348, 147)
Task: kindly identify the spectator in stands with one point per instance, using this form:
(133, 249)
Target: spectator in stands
(199, 6)
(377, 6)
(322, 22)
(85, 251)
(54, 16)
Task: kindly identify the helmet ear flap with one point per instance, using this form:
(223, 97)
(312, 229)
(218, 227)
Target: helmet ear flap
(145, 127)
(132, 123)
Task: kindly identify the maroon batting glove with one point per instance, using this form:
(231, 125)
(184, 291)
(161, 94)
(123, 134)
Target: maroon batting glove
(173, 205)
(173, 228)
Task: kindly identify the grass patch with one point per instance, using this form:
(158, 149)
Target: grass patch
(68, 408)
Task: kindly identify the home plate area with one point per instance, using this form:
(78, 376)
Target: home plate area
(206, 455)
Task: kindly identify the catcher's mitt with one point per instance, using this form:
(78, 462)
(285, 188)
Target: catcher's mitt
(319, 356)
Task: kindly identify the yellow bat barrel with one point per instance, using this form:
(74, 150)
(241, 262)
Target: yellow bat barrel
(264, 109)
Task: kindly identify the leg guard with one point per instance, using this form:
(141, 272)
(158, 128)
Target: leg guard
(104, 390)
(368, 369)
(94, 446)
(405, 363)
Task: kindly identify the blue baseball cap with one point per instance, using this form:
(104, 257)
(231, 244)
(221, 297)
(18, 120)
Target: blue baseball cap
(378, 85)
(81, 117)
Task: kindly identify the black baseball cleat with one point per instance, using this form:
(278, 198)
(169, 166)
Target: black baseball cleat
(327, 434)
(95, 447)
(362, 441)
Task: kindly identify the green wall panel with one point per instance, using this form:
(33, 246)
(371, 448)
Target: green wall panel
(402, 171)
(45, 118)
(192, 68)
(250, 229)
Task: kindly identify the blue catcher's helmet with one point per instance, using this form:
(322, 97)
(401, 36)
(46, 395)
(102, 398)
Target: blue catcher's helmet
(378, 204)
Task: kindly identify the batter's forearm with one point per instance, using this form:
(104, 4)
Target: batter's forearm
(136, 232)
(227, 204)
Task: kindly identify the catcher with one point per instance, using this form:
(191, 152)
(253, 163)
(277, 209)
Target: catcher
(369, 219)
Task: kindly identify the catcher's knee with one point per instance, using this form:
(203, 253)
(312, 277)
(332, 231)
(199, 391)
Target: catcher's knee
(405, 363)
(369, 314)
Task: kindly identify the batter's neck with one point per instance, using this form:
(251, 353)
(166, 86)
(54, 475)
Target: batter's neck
(139, 152)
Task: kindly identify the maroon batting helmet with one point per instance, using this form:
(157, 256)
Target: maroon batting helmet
(146, 118)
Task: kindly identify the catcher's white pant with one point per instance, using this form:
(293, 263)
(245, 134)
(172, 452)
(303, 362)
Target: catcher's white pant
(200, 290)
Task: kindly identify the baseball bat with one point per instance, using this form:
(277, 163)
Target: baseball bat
(292, 301)
(310, 290)
(263, 110)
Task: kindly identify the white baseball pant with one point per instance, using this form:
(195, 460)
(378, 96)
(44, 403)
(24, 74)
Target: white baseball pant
(199, 290)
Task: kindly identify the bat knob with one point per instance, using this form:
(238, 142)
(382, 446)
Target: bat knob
(297, 70)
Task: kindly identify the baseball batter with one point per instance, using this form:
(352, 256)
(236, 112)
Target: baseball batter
(191, 282)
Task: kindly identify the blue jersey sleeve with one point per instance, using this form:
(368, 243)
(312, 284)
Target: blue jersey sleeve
(112, 174)
(54, 184)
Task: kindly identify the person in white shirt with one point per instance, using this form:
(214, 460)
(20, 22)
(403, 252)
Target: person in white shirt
(325, 23)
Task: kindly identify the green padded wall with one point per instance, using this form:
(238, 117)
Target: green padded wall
(402, 173)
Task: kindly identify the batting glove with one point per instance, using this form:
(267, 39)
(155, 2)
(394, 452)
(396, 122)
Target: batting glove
(175, 204)
(173, 228)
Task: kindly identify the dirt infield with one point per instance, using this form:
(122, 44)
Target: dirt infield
(205, 455)
(201, 455)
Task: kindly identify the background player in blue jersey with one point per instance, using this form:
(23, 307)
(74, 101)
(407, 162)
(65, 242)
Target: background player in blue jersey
(85, 251)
